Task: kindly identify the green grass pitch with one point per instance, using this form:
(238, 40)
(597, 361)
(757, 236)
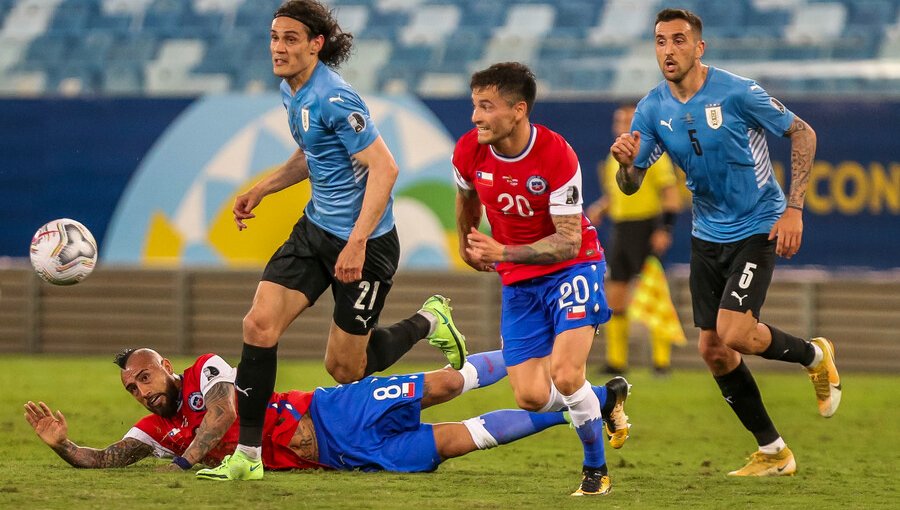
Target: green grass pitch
(683, 441)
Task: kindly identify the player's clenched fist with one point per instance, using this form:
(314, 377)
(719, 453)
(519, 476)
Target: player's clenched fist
(626, 147)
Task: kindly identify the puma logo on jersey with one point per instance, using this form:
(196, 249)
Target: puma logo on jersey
(739, 298)
(241, 390)
(667, 124)
(365, 322)
(336, 99)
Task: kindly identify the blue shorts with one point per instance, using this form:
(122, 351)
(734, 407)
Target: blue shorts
(374, 425)
(535, 311)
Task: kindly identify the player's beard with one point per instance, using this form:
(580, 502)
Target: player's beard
(170, 407)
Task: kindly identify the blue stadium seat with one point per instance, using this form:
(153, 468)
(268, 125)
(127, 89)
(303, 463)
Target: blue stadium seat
(123, 78)
(256, 14)
(481, 14)
(871, 13)
(227, 53)
(767, 23)
(858, 42)
(72, 16)
(92, 49)
(47, 51)
(135, 48)
(464, 46)
(577, 14)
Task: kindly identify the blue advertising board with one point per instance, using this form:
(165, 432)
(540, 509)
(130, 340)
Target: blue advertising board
(153, 178)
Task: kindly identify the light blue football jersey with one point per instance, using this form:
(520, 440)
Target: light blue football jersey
(717, 137)
(330, 123)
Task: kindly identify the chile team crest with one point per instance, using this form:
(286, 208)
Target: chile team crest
(536, 184)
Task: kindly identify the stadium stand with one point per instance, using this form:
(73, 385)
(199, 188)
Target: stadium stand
(187, 47)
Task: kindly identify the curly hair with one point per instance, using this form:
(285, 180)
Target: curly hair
(320, 20)
(514, 81)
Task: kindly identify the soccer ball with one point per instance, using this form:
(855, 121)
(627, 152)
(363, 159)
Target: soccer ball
(63, 252)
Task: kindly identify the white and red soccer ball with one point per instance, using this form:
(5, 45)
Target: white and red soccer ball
(63, 252)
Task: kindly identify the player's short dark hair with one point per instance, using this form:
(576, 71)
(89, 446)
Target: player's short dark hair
(512, 79)
(672, 14)
(320, 20)
(121, 358)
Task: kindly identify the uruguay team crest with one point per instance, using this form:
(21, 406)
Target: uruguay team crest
(304, 115)
(714, 116)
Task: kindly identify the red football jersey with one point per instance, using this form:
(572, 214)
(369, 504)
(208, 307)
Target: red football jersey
(171, 436)
(521, 193)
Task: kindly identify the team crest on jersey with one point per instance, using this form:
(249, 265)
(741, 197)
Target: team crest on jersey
(714, 116)
(357, 121)
(537, 185)
(195, 400)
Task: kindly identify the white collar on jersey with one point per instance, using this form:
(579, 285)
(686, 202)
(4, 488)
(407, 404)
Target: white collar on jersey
(507, 159)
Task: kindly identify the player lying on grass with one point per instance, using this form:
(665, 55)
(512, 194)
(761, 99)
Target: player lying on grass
(371, 425)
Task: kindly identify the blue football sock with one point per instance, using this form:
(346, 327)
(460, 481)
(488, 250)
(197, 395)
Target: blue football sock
(600, 391)
(508, 425)
(489, 367)
(584, 409)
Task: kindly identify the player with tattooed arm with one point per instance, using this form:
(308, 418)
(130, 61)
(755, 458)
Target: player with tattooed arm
(528, 180)
(712, 124)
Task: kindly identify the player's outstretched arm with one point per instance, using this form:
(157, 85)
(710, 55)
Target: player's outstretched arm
(219, 417)
(383, 173)
(53, 430)
(294, 170)
(625, 149)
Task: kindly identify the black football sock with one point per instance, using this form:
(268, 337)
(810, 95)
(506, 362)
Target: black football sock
(740, 391)
(387, 345)
(254, 384)
(785, 347)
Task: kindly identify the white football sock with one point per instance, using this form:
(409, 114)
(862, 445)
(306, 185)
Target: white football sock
(818, 357)
(773, 447)
(432, 320)
(252, 452)
(555, 402)
(583, 405)
(470, 377)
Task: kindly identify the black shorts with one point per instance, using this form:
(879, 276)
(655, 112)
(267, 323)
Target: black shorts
(733, 276)
(305, 263)
(629, 248)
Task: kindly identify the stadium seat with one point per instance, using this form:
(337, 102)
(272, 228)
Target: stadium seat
(623, 21)
(123, 78)
(352, 18)
(369, 56)
(71, 16)
(816, 23)
(430, 24)
(29, 18)
(576, 14)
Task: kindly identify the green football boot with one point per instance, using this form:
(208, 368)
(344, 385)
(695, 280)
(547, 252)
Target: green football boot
(445, 336)
(234, 467)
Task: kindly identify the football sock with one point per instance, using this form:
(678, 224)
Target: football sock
(252, 452)
(584, 409)
(555, 402)
(773, 447)
(785, 347)
(740, 391)
(482, 369)
(606, 404)
(432, 321)
(387, 345)
(817, 358)
(254, 384)
(660, 348)
(617, 341)
(507, 425)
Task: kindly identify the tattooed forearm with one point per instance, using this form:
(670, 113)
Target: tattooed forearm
(563, 245)
(304, 441)
(220, 415)
(468, 214)
(121, 454)
(803, 152)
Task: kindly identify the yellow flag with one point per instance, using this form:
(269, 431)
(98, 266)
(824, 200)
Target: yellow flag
(652, 303)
